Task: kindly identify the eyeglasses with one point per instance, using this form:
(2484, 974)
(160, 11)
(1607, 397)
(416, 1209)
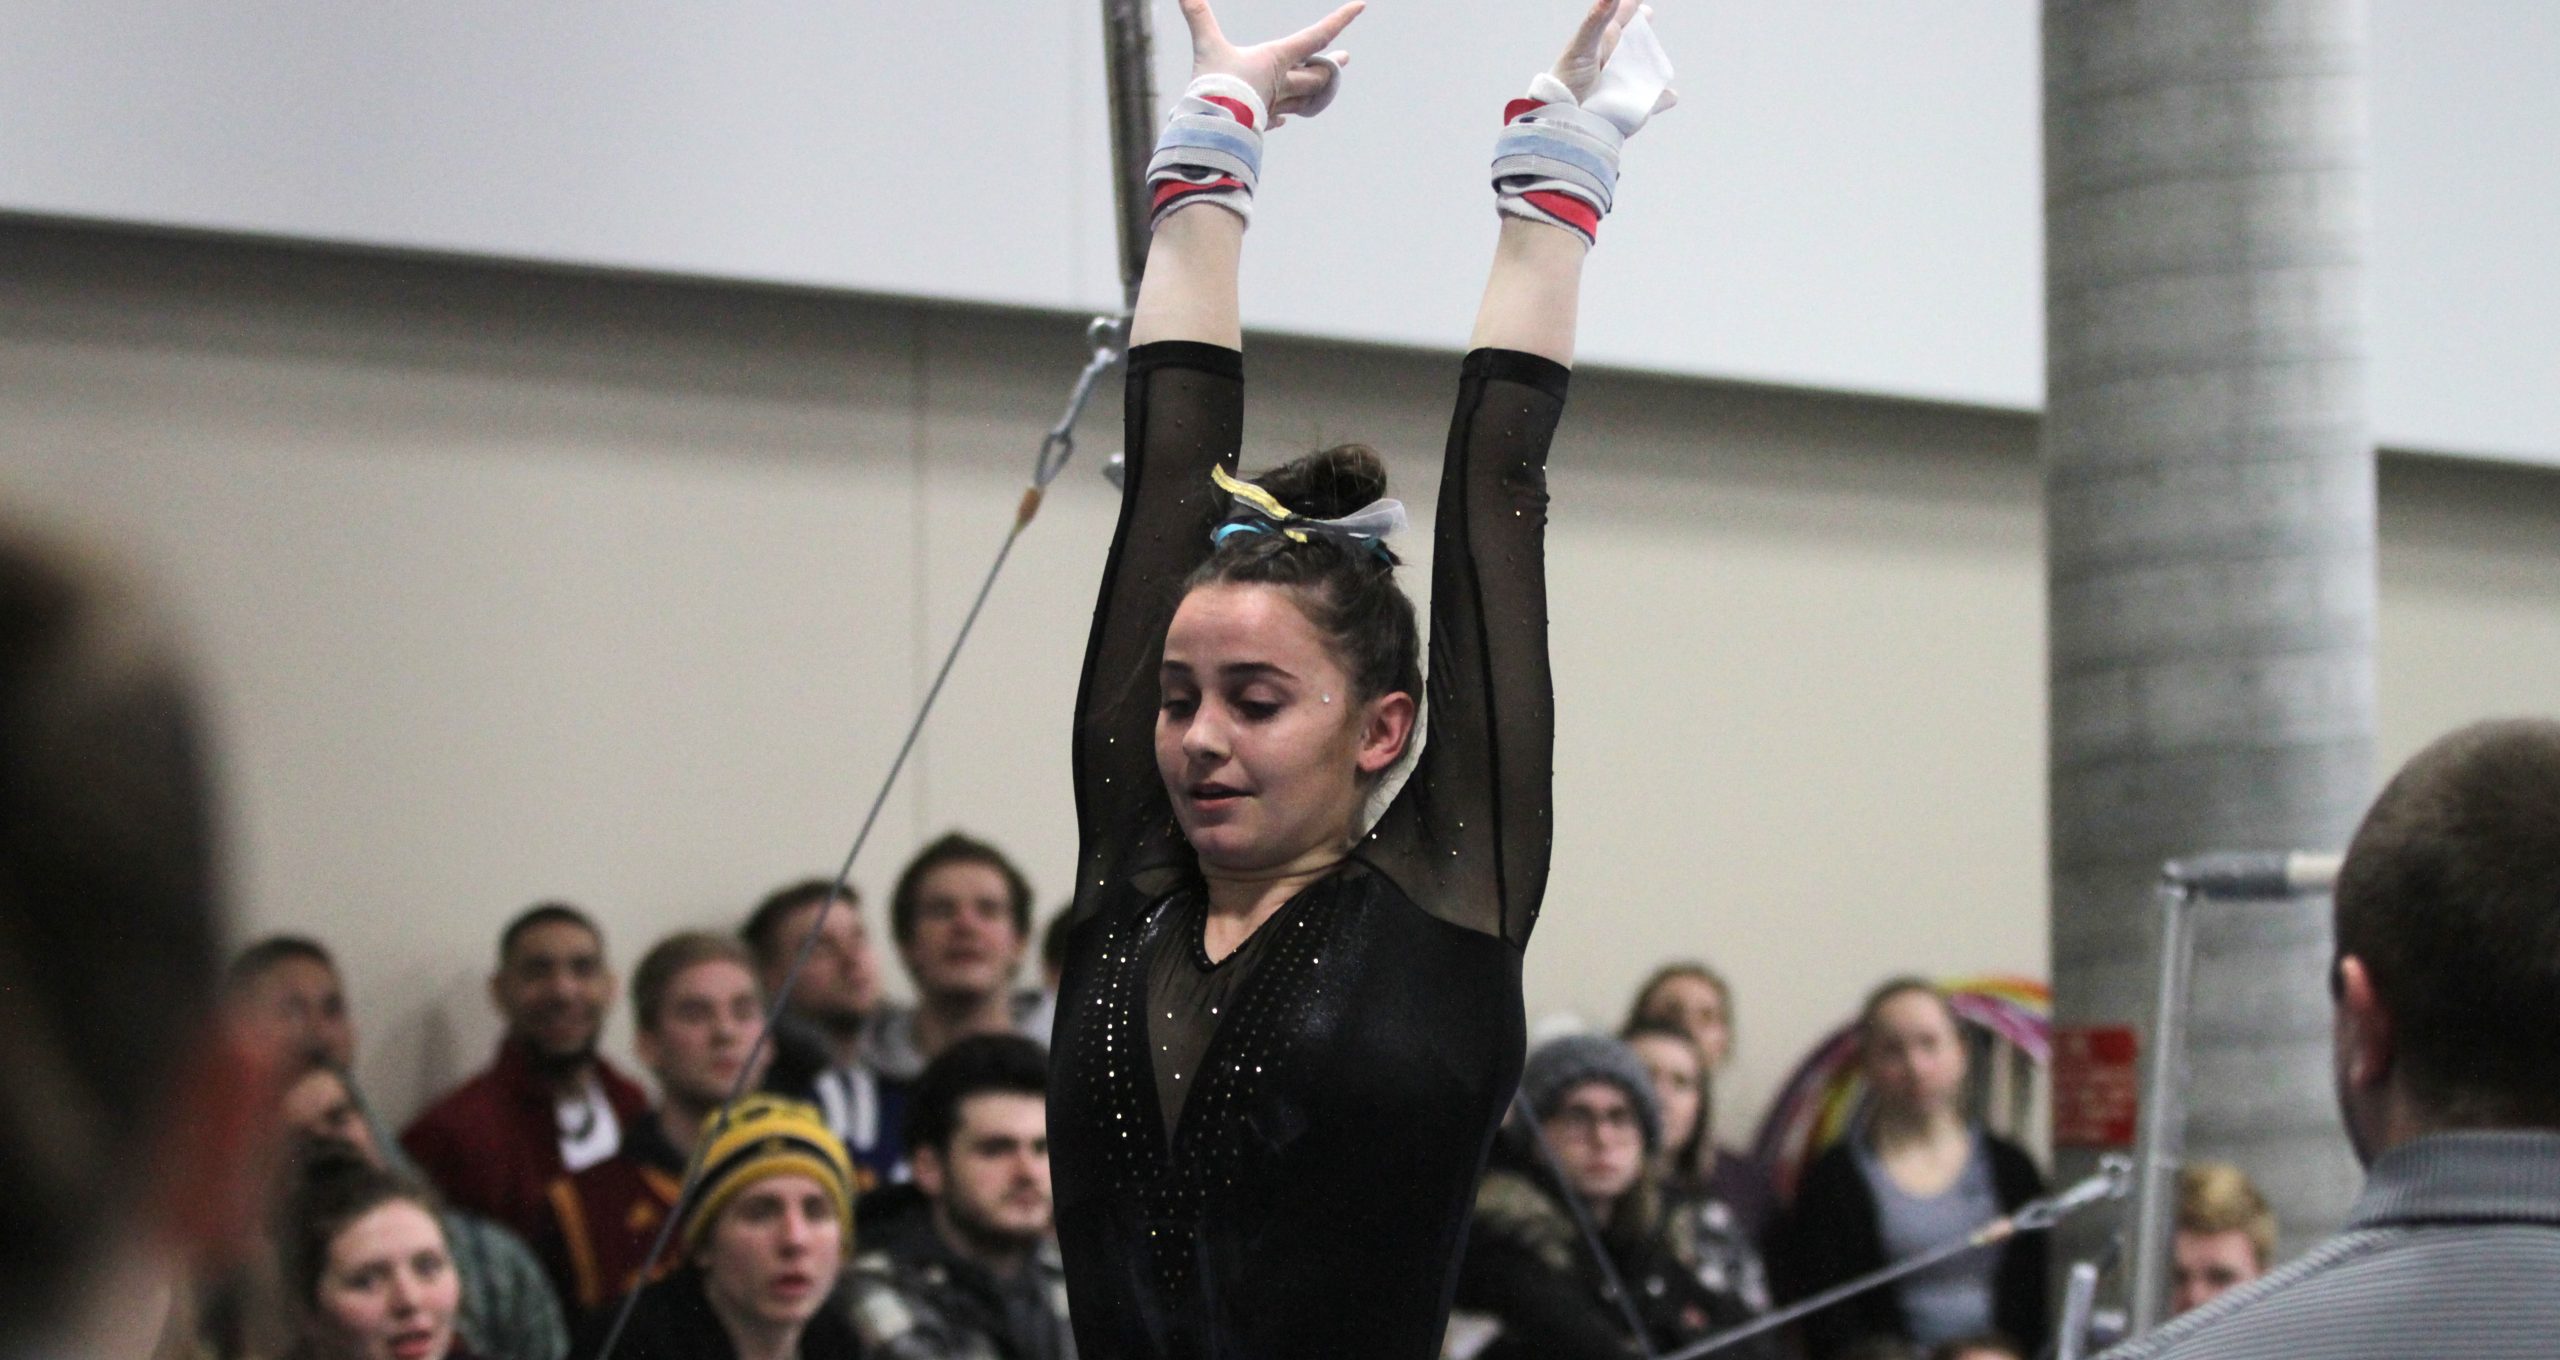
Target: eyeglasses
(1584, 1122)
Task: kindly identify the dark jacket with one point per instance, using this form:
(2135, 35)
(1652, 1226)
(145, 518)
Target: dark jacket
(1832, 1235)
(492, 1144)
(865, 1109)
(673, 1321)
(1529, 1269)
(920, 1300)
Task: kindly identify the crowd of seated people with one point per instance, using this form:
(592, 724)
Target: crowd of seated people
(194, 1170)
(907, 1212)
(522, 1212)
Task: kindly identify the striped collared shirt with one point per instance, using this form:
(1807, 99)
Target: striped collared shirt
(2452, 1250)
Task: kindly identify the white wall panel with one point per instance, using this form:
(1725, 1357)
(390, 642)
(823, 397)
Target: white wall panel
(1847, 200)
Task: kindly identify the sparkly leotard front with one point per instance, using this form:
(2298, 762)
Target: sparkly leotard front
(1272, 1155)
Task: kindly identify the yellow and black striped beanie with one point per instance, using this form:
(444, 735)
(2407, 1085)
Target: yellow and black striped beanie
(760, 1137)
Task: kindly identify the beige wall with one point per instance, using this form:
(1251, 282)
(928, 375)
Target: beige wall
(512, 585)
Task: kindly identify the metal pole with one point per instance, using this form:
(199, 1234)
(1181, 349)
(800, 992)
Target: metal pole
(2185, 885)
(2079, 1305)
(2164, 1111)
(1127, 54)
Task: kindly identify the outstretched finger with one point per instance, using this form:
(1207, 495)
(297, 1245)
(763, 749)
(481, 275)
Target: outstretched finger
(1598, 35)
(1314, 38)
(1205, 35)
(1595, 21)
(1307, 79)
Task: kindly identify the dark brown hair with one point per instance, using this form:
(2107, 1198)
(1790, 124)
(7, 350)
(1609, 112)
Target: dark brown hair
(332, 1187)
(1892, 987)
(950, 848)
(109, 917)
(1684, 968)
(763, 928)
(2451, 896)
(254, 962)
(544, 914)
(1346, 588)
(1689, 1162)
(670, 957)
(982, 1064)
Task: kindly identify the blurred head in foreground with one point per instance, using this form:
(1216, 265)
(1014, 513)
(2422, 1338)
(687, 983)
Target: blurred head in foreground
(132, 1134)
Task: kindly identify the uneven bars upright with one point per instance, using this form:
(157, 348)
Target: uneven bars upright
(1128, 63)
(2184, 883)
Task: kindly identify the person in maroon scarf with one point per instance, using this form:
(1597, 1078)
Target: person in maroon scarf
(547, 1105)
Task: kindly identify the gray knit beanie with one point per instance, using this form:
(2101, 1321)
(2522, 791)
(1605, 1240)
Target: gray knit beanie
(1559, 1065)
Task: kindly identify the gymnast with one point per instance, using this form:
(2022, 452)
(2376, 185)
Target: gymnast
(1286, 1035)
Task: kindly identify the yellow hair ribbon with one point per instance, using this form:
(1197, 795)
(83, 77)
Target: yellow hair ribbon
(1263, 501)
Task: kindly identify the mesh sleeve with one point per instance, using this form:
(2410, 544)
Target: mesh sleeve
(1468, 837)
(1185, 414)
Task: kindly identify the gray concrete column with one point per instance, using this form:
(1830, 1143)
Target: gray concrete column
(2209, 512)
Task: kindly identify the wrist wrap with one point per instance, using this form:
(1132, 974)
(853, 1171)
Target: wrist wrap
(1211, 150)
(1556, 163)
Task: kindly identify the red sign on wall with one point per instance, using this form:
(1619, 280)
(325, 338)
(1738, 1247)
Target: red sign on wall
(2096, 1088)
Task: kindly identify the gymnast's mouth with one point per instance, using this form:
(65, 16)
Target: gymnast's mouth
(1213, 795)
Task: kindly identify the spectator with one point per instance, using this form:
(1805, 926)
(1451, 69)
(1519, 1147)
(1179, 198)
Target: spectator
(2447, 1000)
(769, 1227)
(290, 985)
(697, 1013)
(547, 1105)
(1690, 996)
(367, 1265)
(2226, 1234)
(1696, 998)
(1912, 1176)
(821, 1048)
(135, 1126)
(983, 1282)
(962, 918)
(1529, 1266)
(1728, 1253)
(507, 1309)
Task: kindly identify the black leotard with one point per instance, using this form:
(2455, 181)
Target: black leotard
(1272, 1157)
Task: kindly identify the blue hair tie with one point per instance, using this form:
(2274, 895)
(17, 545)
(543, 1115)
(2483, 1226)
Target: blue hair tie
(1256, 524)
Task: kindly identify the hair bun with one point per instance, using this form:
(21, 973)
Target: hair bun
(1328, 483)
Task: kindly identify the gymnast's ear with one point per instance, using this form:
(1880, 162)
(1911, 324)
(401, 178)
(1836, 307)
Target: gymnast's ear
(1386, 728)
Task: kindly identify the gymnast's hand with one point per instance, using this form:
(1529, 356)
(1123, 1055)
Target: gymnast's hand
(1594, 43)
(1284, 71)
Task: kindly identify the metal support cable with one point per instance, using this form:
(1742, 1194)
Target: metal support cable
(1057, 447)
(1590, 1228)
(2114, 1177)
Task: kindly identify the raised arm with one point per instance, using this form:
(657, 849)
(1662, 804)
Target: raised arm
(1184, 415)
(1189, 289)
(1469, 835)
(1556, 174)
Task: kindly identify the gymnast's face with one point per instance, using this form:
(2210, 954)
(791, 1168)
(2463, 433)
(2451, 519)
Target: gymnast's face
(1266, 752)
